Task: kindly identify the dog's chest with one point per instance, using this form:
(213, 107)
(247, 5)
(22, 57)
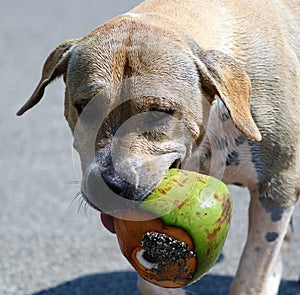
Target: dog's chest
(227, 154)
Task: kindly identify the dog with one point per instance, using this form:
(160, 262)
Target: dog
(211, 86)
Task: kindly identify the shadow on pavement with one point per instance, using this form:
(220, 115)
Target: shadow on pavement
(124, 283)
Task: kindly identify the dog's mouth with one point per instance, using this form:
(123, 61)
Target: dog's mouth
(107, 219)
(108, 222)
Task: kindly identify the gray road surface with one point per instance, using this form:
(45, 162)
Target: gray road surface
(48, 243)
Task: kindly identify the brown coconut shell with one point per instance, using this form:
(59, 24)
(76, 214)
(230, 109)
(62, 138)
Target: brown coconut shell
(171, 271)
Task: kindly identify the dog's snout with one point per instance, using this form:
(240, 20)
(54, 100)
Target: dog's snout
(107, 190)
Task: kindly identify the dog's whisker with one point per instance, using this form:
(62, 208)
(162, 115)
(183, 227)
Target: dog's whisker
(82, 201)
(78, 194)
(86, 207)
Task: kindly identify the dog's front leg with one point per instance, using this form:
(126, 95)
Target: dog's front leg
(146, 288)
(259, 271)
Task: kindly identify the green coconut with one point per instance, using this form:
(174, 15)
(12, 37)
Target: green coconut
(183, 227)
(199, 204)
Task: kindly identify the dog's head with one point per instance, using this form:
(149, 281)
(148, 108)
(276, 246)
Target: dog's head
(137, 101)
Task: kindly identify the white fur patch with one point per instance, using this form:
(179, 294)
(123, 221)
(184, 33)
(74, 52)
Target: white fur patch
(231, 158)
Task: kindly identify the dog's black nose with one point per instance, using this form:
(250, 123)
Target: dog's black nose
(108, 191)
(117, 184)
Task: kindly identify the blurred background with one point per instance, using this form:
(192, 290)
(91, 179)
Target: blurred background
(49, 242)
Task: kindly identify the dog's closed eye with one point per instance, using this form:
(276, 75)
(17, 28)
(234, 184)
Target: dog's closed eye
(157, 118)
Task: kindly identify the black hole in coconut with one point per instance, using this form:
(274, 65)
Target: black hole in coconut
(161, 248)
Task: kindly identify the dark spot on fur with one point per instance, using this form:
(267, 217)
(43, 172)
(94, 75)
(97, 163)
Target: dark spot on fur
(257, 249)
(276, 213)
(220, 143)
(224, 117)
(240, 140)
(257, 162)
(233, 159)
(271, 236)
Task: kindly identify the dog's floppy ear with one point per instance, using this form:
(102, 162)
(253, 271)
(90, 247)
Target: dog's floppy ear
(55, 66)
(221, 75)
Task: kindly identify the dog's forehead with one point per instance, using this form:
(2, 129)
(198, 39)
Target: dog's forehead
(112, 57)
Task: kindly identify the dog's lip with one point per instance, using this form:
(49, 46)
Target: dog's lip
(108, 222)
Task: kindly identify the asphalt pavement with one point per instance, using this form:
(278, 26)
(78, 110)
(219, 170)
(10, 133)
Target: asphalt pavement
(51, 243)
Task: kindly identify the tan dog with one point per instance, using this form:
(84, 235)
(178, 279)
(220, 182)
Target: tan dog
(171, 81)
